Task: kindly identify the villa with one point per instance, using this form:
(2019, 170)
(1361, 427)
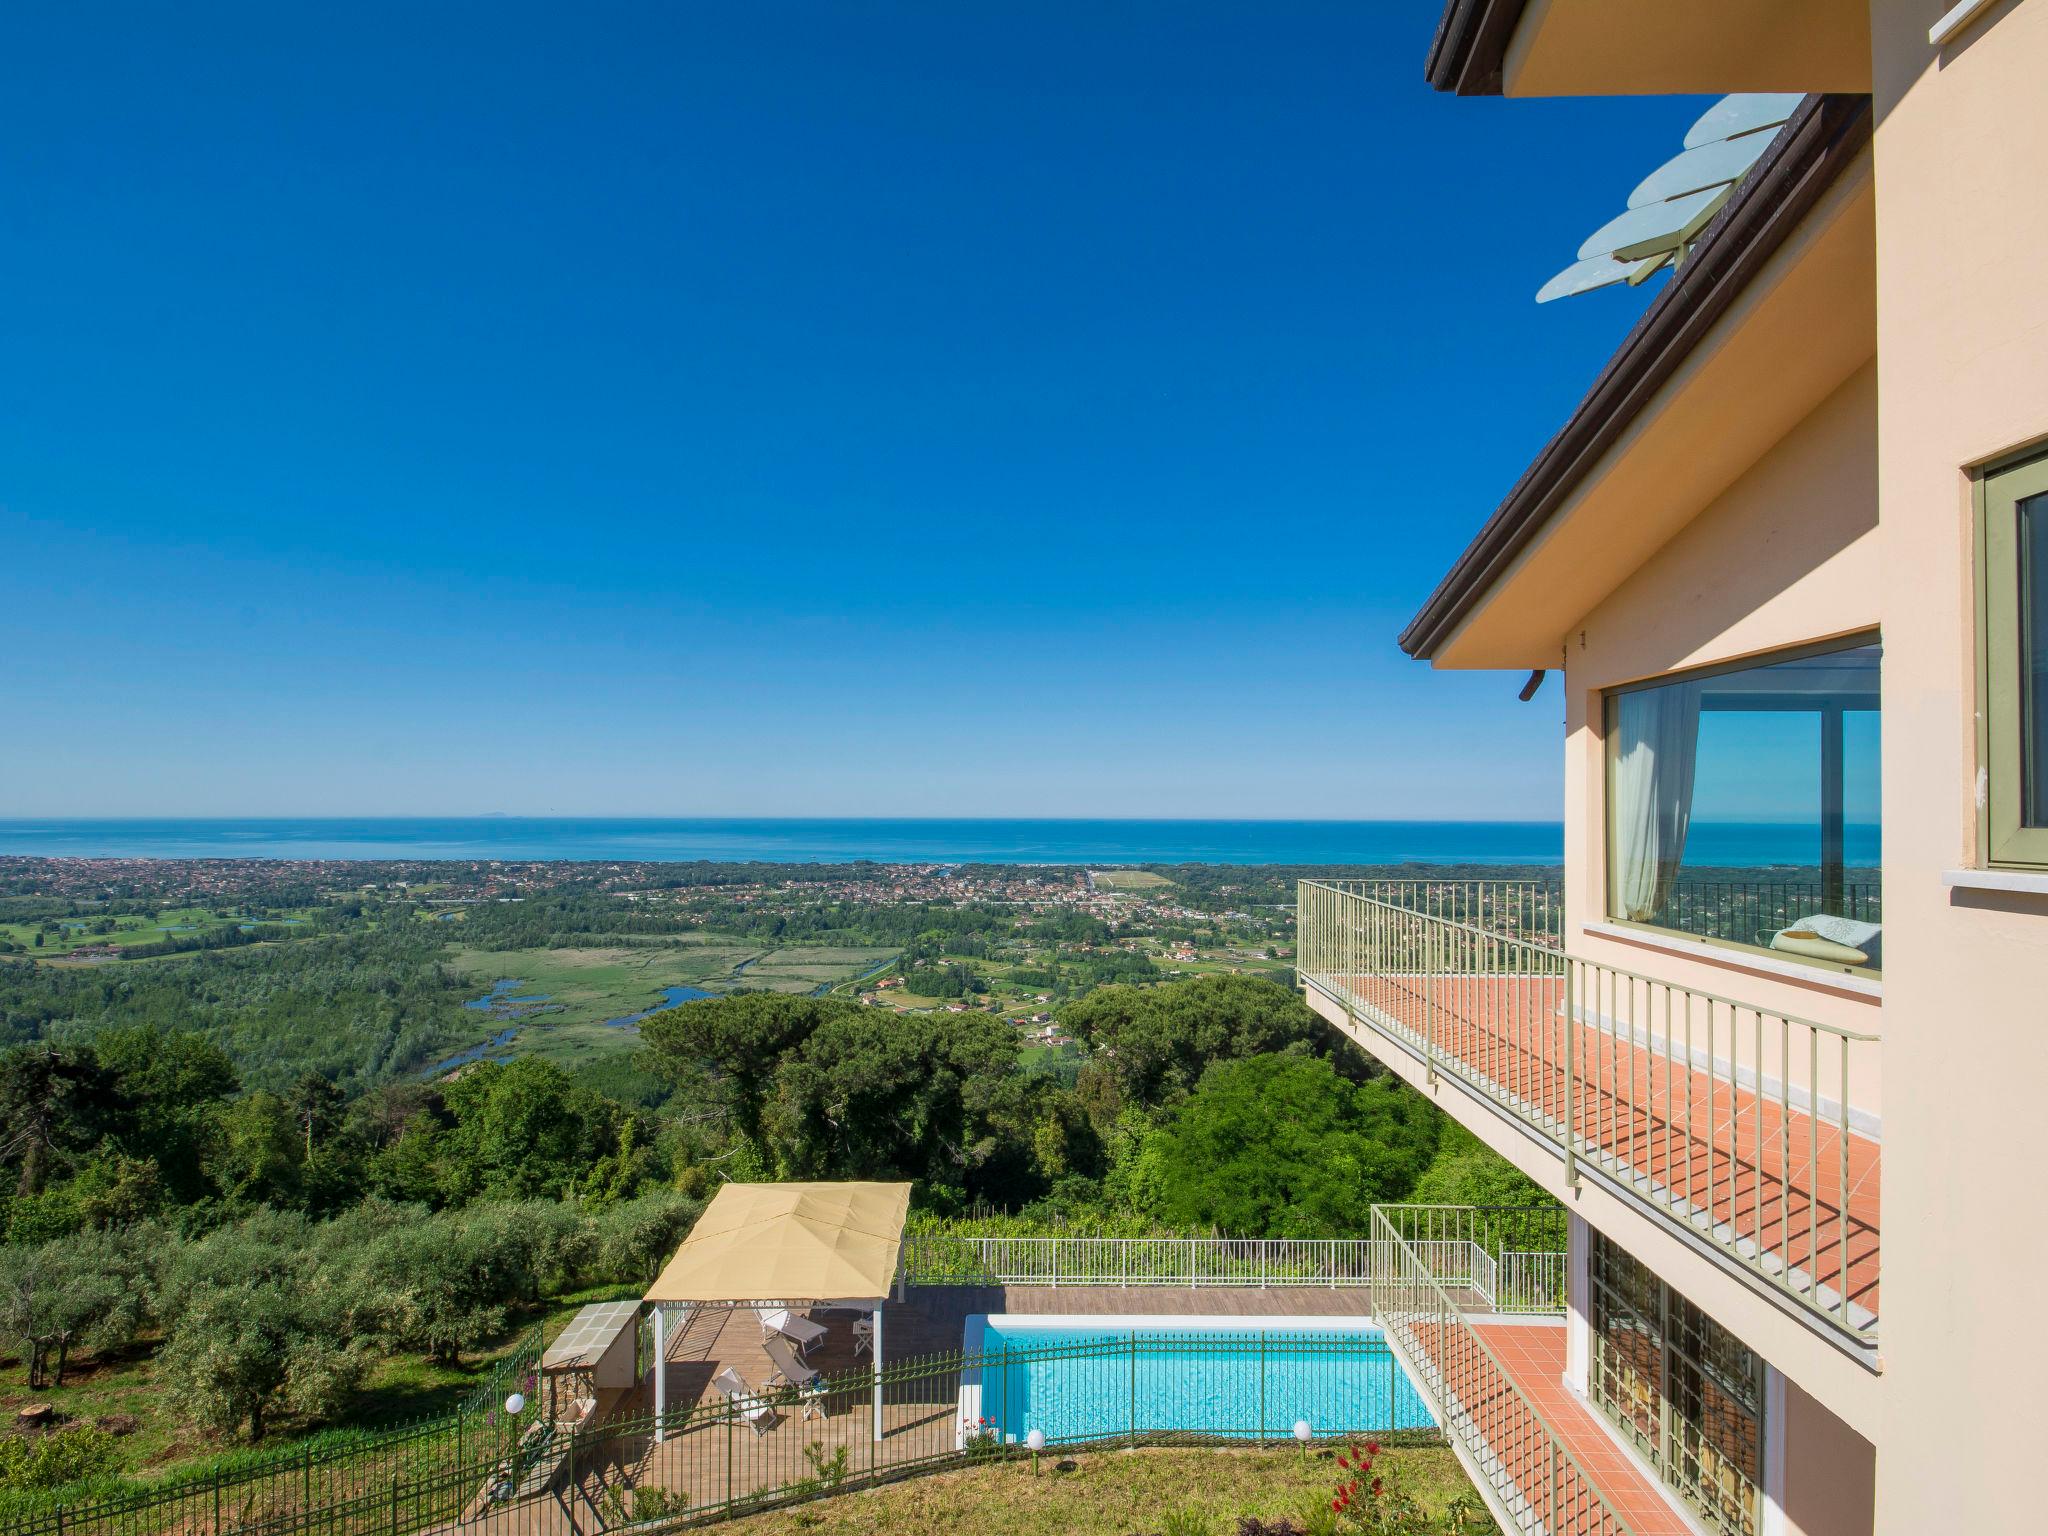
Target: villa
(1787, 559)
(1772, 1048)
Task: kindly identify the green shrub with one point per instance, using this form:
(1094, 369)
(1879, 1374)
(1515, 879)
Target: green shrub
(47, 1460)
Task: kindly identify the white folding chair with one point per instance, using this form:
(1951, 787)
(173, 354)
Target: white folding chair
(746, 1403)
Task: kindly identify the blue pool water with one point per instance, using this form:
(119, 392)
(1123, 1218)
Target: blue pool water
(1111, 1377)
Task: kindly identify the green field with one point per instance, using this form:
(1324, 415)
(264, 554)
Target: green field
(1127, 879)
(75, 933)
(586, 987)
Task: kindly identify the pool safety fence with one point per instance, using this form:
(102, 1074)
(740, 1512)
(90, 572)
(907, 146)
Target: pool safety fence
(731, 1457)
(1510, 1258)
(948, 1259)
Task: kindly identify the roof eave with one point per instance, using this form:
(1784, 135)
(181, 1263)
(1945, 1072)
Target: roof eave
(1820, 141)
(1469, 51)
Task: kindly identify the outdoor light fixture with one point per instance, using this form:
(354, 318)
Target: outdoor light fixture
(1036, 1441)
(515, 1405)
(1301, 1433)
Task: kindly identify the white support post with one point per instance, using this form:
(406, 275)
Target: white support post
(660, 1370)
(1775, 1522)
(878, 1371)
(1578, 1302)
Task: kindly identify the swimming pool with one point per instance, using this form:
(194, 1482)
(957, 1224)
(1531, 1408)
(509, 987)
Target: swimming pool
(1100, 1378)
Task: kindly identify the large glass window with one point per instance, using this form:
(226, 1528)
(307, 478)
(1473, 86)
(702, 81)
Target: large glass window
(2015, 544)
(1742, 806)
(1685, 1390)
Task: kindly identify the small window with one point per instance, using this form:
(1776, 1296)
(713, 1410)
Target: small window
(1743, 805)
(2014, 505)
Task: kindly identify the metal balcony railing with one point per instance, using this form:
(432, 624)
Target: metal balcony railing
(1526, 909)
(1730, 1120)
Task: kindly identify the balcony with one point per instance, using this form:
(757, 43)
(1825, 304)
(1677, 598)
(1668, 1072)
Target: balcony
(1494, 1374)
(1729, 1122)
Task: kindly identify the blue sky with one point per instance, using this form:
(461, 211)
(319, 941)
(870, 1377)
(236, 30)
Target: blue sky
(771, 409)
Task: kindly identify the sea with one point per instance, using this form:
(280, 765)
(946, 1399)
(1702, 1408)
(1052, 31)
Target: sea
(884, 840)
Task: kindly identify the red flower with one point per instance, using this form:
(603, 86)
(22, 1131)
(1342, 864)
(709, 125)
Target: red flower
(1375, 1486)
(1372, 1447)
(1344, 1462)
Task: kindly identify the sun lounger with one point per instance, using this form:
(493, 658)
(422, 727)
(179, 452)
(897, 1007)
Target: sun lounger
(792, 1372)
(795, 1327)
(746, 1403)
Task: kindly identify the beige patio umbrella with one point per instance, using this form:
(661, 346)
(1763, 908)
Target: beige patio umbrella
(794, 1245)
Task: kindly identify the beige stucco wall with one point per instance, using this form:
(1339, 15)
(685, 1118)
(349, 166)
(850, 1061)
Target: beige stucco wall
(1627, 48)
(1828, 1471)
(1788, 554)
(1962, 246)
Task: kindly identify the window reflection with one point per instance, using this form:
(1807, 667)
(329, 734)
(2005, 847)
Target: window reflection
(1743, 806)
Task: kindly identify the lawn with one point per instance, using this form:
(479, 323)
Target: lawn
(1127, 879)
(1106, 1493)
(586, 987)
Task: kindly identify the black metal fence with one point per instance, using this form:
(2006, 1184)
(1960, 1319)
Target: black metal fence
(731, 1457)
(340, 1470)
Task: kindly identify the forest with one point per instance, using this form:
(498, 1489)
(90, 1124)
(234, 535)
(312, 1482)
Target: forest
(357, 1005)
(235, 1205)
(266, 1246)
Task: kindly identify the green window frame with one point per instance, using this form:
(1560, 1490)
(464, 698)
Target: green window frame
(2012, 542)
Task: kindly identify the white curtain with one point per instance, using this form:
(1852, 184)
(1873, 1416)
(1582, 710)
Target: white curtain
(1659, 734)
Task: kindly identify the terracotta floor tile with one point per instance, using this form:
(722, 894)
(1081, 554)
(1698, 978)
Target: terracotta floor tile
(1534, 1361)
(1765, 1172)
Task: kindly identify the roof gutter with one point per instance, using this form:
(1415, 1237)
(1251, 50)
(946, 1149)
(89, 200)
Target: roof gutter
(1822, 138)
(1471, 45)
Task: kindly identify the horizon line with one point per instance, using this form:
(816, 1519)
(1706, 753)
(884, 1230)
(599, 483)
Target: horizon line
(516, 816)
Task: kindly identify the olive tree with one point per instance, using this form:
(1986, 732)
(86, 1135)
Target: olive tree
(242, 1352)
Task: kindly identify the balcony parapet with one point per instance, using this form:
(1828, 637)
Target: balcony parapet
(1736, 1123)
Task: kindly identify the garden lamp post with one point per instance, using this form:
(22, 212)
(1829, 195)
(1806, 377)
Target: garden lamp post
(1301, 1434)
(515, 1405)
(1036, 1440)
